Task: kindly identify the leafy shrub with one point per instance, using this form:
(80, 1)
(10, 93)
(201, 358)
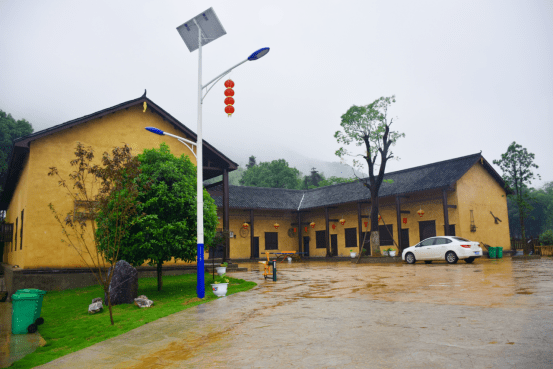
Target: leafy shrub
(546, 238)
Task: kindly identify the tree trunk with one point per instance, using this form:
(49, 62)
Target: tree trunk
(375, 236)
(109, 306)
(525, 245)
(159, 279)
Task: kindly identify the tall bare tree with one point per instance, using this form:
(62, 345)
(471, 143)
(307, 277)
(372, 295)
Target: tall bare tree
(369, 126)
(111, 188)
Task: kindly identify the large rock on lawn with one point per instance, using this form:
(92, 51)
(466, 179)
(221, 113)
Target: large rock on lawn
(123, 288)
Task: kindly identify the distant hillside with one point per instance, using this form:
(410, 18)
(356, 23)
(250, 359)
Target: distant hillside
(294, 159)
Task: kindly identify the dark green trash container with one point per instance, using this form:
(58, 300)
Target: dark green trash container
(499, 252)
(24, 306)
(492, 252)
(40, 293)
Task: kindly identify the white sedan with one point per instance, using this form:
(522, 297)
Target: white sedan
(448, 248)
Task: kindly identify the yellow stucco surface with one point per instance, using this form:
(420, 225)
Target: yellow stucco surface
(479, 192)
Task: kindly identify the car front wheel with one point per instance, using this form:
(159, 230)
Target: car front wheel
(469, 260)
(410, 258)
(451, 257)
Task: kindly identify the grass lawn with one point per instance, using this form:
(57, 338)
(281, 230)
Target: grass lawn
(68, 327)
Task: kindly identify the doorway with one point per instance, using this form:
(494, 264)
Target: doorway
(333, 245)
(306, 246)
(404, 238)
(427, 229)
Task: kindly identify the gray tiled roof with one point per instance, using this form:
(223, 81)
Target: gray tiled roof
(422, 178)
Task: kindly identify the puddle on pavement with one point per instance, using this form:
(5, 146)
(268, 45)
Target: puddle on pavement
(503, 284)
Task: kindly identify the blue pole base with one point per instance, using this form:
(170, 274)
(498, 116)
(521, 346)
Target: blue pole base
(200, 287)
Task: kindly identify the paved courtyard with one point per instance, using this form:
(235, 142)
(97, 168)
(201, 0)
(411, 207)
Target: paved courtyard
(491, 314)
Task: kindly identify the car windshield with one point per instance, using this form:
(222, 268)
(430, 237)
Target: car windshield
(460, 239)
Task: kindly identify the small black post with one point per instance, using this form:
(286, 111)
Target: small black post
(274, 271)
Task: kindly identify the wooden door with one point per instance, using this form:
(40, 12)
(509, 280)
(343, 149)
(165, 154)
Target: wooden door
(405, 239)
(306, 245)
(334, 245)
(427, 229)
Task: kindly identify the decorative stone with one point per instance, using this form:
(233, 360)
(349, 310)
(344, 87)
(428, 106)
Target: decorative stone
(95, 307)
(123, 287)
(97, 299)
(143, 302)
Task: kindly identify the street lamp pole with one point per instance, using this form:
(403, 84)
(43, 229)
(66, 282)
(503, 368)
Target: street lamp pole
(200, 286)
(208, 26)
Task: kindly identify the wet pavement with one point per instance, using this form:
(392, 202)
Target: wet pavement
(491, 314)
(14, 347)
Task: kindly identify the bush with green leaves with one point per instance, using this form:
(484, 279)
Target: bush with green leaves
(546, 238)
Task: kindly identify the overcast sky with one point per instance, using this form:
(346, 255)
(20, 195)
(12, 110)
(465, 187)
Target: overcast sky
(467, 75)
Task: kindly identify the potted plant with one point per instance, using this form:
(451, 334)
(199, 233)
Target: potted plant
(220, 286)
(385, 252)
(222, 269)
(391, 252)
(352, 254)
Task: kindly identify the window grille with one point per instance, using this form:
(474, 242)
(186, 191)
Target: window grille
(6, 231)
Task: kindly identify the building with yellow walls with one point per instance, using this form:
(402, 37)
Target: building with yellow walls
(35, 234)
(463, 196)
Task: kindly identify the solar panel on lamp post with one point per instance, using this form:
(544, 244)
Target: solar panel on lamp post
(199, 31)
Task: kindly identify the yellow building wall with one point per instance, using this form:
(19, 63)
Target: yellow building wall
(42, 246)
(479, 192)
(264, 221)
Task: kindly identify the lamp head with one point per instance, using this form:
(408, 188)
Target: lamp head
(155, 130)
(258, 54)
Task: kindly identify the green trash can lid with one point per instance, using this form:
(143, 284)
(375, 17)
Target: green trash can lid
(24, 296)
(32, 290)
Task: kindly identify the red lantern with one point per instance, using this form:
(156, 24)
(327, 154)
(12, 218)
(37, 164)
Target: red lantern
(334, 226)
(276, 225)
(420, 212)
(229, 83)
(342, 221)
(404, 220)
(229, 101)
(229, 109)
(245, 225)
(312, 224)
(366, 224)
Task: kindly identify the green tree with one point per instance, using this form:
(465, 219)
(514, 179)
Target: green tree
(109, 189)
(274, 174)
(516, 165)
(10, 129)
(251, 162)
(166, 227)
(368, 126)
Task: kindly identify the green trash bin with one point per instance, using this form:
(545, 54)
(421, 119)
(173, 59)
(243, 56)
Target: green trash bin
(492, 252)
(499, 252)
(40, 293)
(24, 306)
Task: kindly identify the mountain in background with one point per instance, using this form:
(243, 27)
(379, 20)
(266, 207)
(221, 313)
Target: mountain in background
(294, 159)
